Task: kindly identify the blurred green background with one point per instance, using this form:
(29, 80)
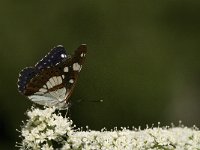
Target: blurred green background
(143, 60)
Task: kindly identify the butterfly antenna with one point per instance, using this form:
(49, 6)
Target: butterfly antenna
(82, 100)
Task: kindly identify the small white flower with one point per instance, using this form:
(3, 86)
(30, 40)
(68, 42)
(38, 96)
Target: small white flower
(66, 146)
(50, 134)
(46, 147)
(41, 126)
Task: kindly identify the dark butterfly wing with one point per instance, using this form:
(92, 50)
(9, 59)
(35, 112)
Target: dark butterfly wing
(24, 77)
(79, 55)
(54, 84)
(55, 56)
(73, 67)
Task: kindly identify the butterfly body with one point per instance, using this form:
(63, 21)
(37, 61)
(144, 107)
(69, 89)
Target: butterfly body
(52, 80)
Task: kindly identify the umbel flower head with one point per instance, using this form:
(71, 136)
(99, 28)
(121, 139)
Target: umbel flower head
(46, 129)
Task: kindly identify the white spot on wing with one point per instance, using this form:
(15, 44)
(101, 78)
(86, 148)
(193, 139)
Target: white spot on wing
(55, 80)
(59, 79)
(62, 94)
(71, 81)
(80, 68)
(42, 90)
(76, 67)
(59, 94)
(49, 85)
(52, 82)
(63, 76)
(66, 69)
(62, 91)
(39, 93)
(54, 94)
(63, 55)
(82, 54)
(44, 86)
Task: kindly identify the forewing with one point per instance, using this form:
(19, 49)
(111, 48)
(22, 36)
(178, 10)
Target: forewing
(79, 55)
(55, 56)
(73, 67)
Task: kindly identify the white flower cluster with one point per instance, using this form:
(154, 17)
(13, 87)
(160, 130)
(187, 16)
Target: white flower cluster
(149, 139)
(46, 130)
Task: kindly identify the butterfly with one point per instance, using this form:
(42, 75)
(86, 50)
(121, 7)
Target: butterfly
(51, 81)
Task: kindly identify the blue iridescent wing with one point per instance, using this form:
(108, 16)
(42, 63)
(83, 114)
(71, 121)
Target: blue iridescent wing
(55, 56)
